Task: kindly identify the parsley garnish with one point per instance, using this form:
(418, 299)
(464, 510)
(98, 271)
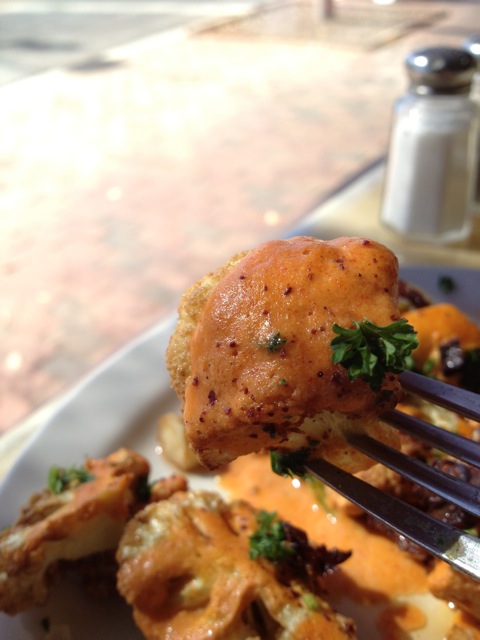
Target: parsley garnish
(370, 352)
(310, 601)
(289, 464)
(273, 342)
(269, 540)
(61, 478)
(446, 284)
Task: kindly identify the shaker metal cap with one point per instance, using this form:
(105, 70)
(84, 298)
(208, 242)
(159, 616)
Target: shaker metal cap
(441, 70)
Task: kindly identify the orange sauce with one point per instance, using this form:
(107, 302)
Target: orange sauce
(376, 574)
(395, 620)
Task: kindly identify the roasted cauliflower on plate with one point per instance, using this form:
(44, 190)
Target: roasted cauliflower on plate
(82, 513)
(186, 569)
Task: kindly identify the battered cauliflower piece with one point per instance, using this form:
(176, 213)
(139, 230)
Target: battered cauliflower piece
(446, 335)
(250, 358)
(452, 586)
(185, 568)
(83, 519)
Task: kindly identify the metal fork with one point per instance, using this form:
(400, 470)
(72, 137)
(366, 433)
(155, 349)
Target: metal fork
(458, 548)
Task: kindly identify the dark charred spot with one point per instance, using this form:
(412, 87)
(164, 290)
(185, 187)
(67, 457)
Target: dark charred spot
(320, 374)
(242, 277)
(265, 287)
(265, 312)
(314, 331)
(415, 297)
(270, 429)
(201, 419)
(212, 398)
(232, 344)
(195, 381)
(337, 377)
(245, 391)
(287, 291)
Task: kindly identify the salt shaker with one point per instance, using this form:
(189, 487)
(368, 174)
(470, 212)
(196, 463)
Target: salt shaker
(427, 190)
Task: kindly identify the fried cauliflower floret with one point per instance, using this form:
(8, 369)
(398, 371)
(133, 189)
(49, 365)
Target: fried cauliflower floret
(251, 357)
(184, 567)
(81, 520)
(438, 327)
(450, 585)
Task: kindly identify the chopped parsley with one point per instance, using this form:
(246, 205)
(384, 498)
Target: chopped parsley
(446, 284)
(273, 342)
(369, 352)
(143, 489)
(269, 540)
(289, 464)
(310, 601)
(61, 478)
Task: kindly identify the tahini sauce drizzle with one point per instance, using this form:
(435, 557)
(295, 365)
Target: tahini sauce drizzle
(377, 575)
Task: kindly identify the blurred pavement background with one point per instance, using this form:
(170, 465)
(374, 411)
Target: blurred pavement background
(143, 143)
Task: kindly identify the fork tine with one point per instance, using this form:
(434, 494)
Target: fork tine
(459, 549)
(466, 403)
(449, 487)
(458, 446)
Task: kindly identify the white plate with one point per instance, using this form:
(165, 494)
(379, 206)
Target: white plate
(117, 406)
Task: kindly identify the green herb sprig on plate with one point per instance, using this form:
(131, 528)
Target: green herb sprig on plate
(269, 540)
(61, 478)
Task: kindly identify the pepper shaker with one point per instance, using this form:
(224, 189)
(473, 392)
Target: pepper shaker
(427, 190)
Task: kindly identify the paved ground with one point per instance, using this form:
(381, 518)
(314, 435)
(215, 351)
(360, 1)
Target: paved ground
(141, 165)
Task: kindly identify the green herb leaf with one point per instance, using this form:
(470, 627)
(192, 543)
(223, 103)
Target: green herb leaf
(269, 540)
(446, 284)
(289, 464)
(311, 601)
(60, 478)
(370, 352)
(273, 342)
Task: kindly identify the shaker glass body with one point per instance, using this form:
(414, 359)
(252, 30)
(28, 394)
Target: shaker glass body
(427, 191)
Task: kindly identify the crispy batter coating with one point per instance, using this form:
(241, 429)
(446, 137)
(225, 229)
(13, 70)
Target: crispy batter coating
(452, 586)
(186, 571)
(76, 523)
(251, 356)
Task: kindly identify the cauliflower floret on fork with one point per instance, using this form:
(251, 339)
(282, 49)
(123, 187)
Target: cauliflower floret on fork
(83, 512)
(185, 568)
(251, 356)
